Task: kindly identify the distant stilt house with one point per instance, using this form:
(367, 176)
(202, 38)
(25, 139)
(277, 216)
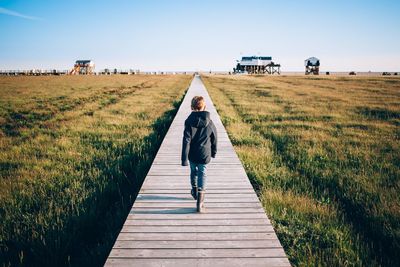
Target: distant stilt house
(83, 67)
(312, 66)
(257, 65)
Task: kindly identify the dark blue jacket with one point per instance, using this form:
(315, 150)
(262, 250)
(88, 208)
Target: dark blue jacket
(199, 139)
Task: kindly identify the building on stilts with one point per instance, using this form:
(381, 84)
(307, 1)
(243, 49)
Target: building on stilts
(312, 66)
(83, 67)
(257, 65)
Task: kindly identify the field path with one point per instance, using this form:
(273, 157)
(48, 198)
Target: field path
(163, 228)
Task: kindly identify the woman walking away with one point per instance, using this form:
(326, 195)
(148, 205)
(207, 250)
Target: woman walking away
(199, 146)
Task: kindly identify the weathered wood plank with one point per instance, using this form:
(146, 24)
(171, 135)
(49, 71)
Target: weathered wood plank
(209, 167)
(197, 236)
(174, 182)
(210, 197)
(196, 253)
(186, 191)
(190, 204)
(139, 210)
(267, 243)
(215, 262)
(210, 173)
(195, 216)
(210, 179)
(221, 222)
(210, 186)
(196, 228)
(191, 200)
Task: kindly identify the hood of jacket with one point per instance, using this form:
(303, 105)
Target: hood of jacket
(199, 119)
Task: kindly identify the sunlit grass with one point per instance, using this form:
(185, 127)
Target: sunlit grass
(74, 152)
(323, 155)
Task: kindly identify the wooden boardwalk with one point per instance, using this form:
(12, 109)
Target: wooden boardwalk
(163, 228)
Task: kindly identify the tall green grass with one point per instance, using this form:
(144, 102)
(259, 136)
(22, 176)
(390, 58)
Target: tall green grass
(74, 153)
(324, 157)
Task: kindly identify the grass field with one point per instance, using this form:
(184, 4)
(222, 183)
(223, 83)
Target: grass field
(74, 151)
(323, 154)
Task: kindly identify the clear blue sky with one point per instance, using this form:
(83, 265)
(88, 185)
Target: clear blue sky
(358, 35)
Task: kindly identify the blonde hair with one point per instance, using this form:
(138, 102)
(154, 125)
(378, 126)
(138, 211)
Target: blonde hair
(198, 103)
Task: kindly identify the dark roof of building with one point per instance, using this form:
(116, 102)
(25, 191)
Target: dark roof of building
(84, 61)
(254, 57)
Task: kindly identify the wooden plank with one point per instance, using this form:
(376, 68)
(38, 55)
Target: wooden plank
(186, 191)
(207, 200)
(209, 197)
(209, 167)
(215, 262)
(197, 228)
(195, 216)
(173, 183)
(139, 210)
(226, 163)
(164, 222)
(190, 204)
(185, 186)
(186, 178)
(220, 172)
(198, 236)
(267, 243)
(211, 182)
(210, 178)
(196, 253)
(210, 173)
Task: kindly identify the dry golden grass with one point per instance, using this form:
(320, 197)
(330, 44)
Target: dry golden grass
(74, 152)
(323, 154)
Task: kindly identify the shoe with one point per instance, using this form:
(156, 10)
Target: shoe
(200, 201)
(194, 192)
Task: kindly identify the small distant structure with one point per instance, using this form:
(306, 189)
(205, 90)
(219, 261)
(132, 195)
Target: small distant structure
(83, 67)
(257, 65)
(33, 72)
(312, 65)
